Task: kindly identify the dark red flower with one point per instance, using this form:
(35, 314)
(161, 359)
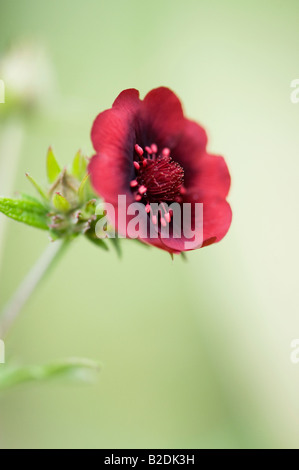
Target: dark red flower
(148, 151)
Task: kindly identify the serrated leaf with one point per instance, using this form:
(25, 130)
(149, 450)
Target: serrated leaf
(76, 369)
(29, 212)
(37, 187)
(61, 203)
(53, 169)
(79, 166)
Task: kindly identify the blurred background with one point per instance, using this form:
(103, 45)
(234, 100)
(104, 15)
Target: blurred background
(196, 354)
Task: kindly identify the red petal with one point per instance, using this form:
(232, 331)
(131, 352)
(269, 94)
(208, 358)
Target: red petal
(109, 180)
(217, 217)
(113, 138)
(162, 117)
(112, 168)
(210, 179)
(128, 100)
(190, 147)
(110, 129)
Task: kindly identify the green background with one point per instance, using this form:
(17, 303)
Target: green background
(193, 354)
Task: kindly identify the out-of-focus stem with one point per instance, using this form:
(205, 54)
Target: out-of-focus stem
(29, 285)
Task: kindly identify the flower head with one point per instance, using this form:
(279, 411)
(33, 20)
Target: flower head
(151, 153)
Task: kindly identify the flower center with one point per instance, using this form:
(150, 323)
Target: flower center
(158, 179)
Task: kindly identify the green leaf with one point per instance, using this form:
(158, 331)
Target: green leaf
(116, 243)
(184, 257)
(76, 369)
(28, 197)
(61, 203)
(37, 187)
(27, 211)
(90, 207)
(79, 166)
(83, 188)
(53, 169)
(97, 241)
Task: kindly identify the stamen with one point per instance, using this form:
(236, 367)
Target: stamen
(163, 222)
(142, 189)
(183, 190)
(138, 150)
(167, 217)
(154, 219)
(158, 179)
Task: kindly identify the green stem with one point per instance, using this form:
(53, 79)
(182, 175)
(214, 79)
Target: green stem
(30, 283)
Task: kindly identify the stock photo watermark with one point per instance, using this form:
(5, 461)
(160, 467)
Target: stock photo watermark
(2, 352)
(294, 96)
(2, 92)
(294, 356)
(137, 220)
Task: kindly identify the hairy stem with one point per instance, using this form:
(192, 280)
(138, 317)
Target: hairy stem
(14, 307)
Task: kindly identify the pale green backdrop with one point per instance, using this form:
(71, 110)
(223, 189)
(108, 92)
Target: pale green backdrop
(193, 354)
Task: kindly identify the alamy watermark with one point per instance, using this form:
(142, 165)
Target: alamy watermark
(294, 96)
(294, 356)
(2, 92)
(2, 352)
(152, 221)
